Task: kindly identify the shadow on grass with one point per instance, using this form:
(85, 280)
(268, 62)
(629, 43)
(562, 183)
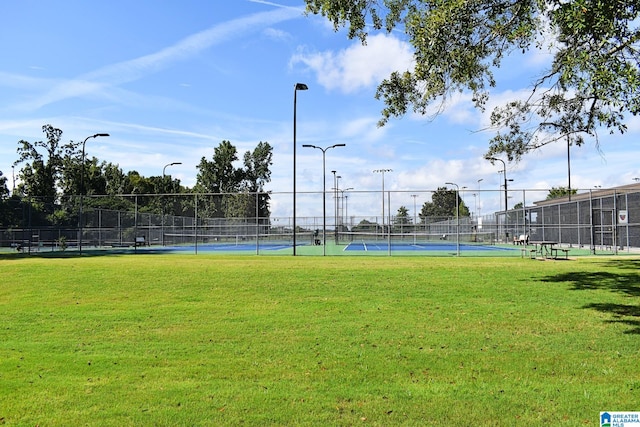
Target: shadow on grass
(75, 254)
(619, 276)
(621, 314)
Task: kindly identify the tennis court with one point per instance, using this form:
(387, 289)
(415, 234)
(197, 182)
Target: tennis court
(306, 246)
(230, 247)
(425, 246)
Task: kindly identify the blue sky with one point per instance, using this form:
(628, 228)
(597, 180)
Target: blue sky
(170, 80)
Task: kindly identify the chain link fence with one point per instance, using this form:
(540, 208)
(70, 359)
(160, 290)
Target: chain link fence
(594, 220)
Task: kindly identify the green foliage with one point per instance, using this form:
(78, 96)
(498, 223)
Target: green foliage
(4, 191)
(221, 176)
(62, 242)
(592, 83)
(11, 211)
(42, 166)
(175, 340)
(365, 226)
(442, 206)
(557, 192)
(52, 176)
(402, 216)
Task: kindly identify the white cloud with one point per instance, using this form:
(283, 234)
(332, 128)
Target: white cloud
(358, 66)
(277, 35)
(363, 129)
(128, 71)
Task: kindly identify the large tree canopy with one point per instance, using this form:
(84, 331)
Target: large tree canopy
(593, 82)
(443, 204)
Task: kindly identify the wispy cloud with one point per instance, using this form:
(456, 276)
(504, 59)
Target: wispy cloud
(124, 72)
(277, 35)
(358, 66)
(284, 6)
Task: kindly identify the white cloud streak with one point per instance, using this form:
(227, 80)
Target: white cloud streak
(96, 82)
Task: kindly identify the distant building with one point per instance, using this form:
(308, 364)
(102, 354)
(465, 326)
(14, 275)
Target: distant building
(605, 219)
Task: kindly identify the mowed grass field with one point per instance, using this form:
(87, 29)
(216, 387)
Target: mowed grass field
(244, 340)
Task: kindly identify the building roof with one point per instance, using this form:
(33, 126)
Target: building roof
(589, 194)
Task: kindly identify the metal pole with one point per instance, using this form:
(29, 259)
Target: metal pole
(80, 224)
(569, 166)
(297, 87)
(324, 192)
(479, 200)
(389, 213)
(195, 224)
(257, 224)
(504, 166)
(457, 217)
(164, 190)
(382, 171)
(346, 210)
(343, 198)
(337, 205)
(324, 205)
(334, 208)
(415, 217)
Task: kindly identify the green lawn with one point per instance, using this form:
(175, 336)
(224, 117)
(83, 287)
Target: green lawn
(131, 340)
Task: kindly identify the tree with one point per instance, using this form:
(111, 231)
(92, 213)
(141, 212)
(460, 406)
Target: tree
(257, 173)
(593, 81)
(557, 192)
(221, 176)
(365, 226)
(41, 172)
(218, 175)
(9, 205)
(442, 205)
(402, 216)
(4, 191)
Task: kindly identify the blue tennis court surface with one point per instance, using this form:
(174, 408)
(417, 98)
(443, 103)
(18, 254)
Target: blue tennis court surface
(383, 246)
(221, 247)
(352, 247)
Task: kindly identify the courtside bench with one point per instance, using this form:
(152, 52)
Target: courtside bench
(141, 241)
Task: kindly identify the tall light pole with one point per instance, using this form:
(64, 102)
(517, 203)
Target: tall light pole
(457, 217)
(297, 87)
(346, 209)
(82, 187)
(341, 209)
(415, 217)
(569, 166)
(336, 179)
(164, 190)
(382, 171)
(479, 201)
(504, 169)
(475, 202)
(567, 133)
(324, 191)
(165, 168)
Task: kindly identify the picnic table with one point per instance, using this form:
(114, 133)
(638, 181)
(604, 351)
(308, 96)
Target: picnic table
(547, 249)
